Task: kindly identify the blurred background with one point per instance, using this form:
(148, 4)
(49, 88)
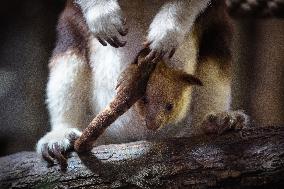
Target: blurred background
(27, 37)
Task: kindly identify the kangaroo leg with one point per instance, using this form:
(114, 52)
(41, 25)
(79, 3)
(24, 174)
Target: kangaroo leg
(214, 70)
(67, 89)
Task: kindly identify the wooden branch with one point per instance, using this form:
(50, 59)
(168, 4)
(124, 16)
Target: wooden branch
(249, 158)
(131, 87)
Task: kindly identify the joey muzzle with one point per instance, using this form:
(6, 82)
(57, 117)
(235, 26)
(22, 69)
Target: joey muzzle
(153, 122)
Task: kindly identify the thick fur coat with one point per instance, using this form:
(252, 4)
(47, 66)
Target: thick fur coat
(85, 65)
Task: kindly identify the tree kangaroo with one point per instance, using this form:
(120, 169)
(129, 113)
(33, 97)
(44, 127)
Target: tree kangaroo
(97, 39)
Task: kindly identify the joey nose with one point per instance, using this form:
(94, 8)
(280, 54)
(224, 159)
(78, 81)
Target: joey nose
(151, 124)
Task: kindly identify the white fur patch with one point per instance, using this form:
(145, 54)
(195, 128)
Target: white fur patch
(173, 22)
(68, 90)
(59, 136)
(102, 16)
(67, 97)
(106, 68)
(106, 63)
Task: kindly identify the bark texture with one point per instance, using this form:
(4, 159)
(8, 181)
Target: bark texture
(249, 158)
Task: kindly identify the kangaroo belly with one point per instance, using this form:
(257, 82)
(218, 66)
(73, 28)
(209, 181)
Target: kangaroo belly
(108, 62)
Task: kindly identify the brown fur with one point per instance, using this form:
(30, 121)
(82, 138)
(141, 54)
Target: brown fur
(72, 33)
(214, 30)
(165, 96)
(167, 87)
(212, 35)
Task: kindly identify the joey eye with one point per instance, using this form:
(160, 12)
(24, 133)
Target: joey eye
(169, 106)
(145, 100)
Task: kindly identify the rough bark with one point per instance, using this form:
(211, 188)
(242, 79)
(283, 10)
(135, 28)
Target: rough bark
(246, 159)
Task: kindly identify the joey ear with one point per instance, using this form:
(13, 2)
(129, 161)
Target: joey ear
(190, 79)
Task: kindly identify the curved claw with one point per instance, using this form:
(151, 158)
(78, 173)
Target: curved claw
(55, 153)
(59, 156)
(102, 41)
(118, 42)
(122, 32)
(172, 53)
(159, 56)
(146, 44)
(150, 56)
(111, 42)
(46, 156)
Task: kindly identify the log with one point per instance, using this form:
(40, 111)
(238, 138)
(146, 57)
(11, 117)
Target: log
(253, 157)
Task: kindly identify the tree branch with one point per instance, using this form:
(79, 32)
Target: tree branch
(248, 158)
(131, 87)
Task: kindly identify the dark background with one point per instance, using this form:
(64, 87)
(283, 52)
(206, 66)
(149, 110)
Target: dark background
(27, 37)
(26, 42)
